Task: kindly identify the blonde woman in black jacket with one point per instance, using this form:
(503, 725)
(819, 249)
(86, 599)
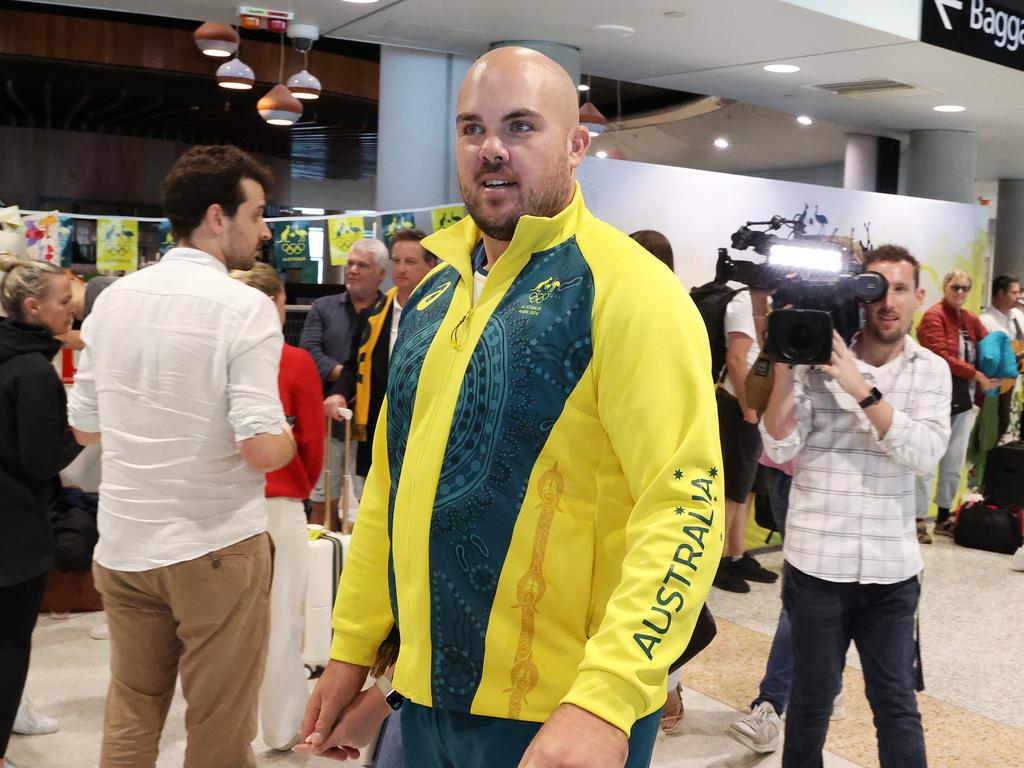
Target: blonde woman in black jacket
(35, 445)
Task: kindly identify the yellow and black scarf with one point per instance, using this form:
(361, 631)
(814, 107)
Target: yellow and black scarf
(371, 334)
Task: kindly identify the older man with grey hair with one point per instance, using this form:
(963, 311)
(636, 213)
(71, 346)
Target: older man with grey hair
(327, 336)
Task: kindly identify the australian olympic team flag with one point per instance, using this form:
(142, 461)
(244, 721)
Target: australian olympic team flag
(117, 244)
(444, 217)
(343, 233)
(291, 244)
(390, 223)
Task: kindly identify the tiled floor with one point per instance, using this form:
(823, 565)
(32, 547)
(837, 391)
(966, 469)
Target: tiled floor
(973, 709)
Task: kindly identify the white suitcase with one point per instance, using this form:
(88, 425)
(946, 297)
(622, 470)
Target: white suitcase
(327, 552)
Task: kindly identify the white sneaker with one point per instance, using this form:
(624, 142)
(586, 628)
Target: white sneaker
(28, 722)
(838, 708)
(760, 730)
(100, 632)
(1017, 560)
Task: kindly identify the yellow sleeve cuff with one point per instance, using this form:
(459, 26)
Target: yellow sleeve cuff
(354, 649)
(609, 697)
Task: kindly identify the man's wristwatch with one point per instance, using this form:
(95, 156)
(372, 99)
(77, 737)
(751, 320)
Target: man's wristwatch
(871, 399)
(391, 697)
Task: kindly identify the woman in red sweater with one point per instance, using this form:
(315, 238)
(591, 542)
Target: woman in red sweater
(284, 692)
(951, 332)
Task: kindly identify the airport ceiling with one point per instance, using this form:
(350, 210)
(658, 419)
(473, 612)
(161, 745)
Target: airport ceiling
(710, 48)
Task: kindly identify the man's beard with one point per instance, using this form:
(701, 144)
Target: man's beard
(874, 328)
(545, 199)
(240, 260)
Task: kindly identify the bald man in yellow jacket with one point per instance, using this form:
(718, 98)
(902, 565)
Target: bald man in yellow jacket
(543, 517)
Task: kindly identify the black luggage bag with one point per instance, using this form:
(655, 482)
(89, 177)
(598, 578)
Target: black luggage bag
(989, 525)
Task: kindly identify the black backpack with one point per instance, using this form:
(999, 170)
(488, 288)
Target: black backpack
(711, 300)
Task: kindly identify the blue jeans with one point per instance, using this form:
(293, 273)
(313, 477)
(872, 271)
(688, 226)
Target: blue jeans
(778, 673)
(439, 738)
(825, 616)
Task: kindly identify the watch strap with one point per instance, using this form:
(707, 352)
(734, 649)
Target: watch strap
(391, 697)
(874, 397)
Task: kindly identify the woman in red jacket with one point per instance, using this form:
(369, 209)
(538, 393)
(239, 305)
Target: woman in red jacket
(951, 332)
(284, 693)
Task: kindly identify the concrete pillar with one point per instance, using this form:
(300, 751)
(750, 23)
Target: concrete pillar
(871, 163)
(416, 128)
(1009, 250)
(566, 55)
(942, 165)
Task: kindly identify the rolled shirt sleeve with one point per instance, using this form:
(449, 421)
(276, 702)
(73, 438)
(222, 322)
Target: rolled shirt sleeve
(786, 448)
(83, 406)
(254, 403)
(919, 436)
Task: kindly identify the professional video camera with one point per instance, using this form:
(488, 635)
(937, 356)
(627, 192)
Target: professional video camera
(818, 276)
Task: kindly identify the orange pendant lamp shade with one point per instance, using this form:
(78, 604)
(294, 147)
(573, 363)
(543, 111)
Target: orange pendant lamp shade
(279, 107)
(216, 39)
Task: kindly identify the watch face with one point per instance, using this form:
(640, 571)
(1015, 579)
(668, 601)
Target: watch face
(394, 699)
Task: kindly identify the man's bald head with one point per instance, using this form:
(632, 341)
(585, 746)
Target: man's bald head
(545, 77)
(519, 139)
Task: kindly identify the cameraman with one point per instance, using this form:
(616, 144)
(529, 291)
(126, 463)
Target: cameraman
(863, 427)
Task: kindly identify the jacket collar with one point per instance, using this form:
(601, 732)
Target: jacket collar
(533, 234)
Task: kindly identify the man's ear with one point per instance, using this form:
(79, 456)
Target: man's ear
(579, 143)
(215, 218)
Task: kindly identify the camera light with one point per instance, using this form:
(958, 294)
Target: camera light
(800, 257)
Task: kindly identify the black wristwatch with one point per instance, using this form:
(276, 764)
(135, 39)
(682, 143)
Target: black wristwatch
(874, 397)
(391, 697)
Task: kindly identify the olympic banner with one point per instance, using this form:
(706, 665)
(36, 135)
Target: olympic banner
(442, 218)
(390, 223)
(291, 244)
(117, 244)
(166, 237)
(344, 232)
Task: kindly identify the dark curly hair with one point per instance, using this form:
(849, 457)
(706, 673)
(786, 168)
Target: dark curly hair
(205, 176)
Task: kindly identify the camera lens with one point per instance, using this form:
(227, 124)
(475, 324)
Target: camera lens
(799, 337)
(801, 340)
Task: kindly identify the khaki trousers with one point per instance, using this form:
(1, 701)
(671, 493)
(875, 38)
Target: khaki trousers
(205, 618)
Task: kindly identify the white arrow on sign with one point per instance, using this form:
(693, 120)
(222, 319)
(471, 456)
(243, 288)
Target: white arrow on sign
(942, 5)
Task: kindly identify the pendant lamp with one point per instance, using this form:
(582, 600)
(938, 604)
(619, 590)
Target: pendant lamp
(216, 39)
(235, 75)
(302, 84)
(279, 107)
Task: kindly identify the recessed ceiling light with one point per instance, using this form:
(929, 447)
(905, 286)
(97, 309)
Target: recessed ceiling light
(804, 120)
(949, 108)
(782, 69)
(674, 14)
(583, 87)
(722, 143)
(602, 154)
(360, 2)
(612, 30)
(593, 134)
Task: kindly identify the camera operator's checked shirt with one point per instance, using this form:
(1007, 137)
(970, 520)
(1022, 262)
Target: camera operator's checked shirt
(851, 507)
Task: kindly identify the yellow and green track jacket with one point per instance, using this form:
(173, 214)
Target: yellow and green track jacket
(544, 514)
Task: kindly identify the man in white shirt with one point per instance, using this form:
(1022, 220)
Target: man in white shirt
(863, 427)
(1005, 315)
(178, 381)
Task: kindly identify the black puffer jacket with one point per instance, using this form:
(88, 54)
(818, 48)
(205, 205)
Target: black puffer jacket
(35, 446)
